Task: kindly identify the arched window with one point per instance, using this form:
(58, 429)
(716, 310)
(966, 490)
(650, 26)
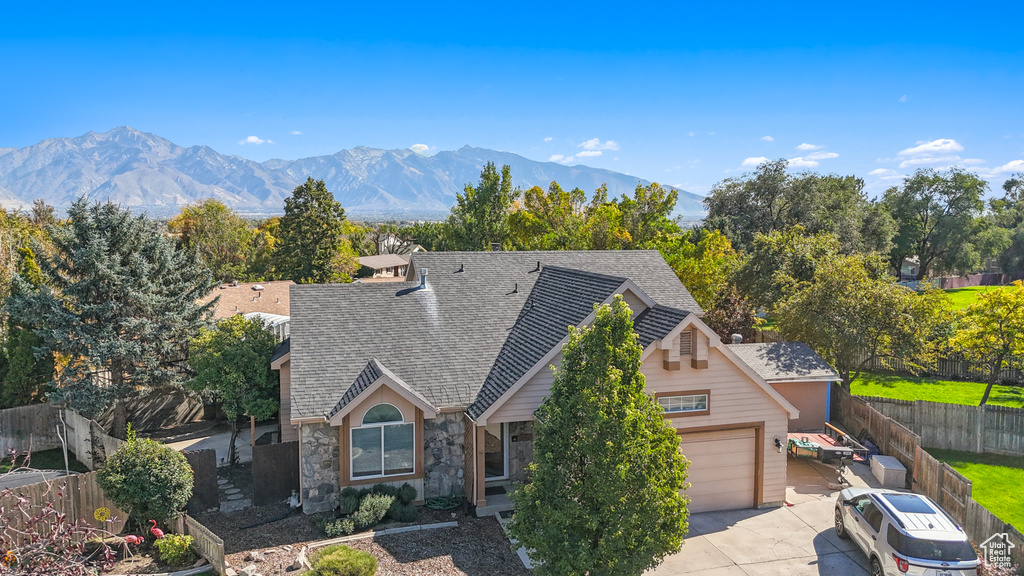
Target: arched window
(383, 445)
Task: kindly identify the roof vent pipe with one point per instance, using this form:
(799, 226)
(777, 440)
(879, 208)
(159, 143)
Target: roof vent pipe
(537, 269)
(495, 246)
(423, 278)
(737, 338)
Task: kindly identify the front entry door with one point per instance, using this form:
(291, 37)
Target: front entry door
(495, 452)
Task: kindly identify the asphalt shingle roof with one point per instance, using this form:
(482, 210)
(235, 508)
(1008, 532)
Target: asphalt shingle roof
(282, 348)
(445, 342)
(784, 361)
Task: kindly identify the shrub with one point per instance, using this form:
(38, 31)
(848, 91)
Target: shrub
(148, 479)
(372, 510)
(342, 527)
(407, 493)
(349, 504)
(176, 549)
(384, 490)
(403, 512)
(339, 560)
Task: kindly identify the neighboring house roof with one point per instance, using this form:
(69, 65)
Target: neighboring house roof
(785, 362)
(444, 342)
(272, 298)
(383, 261)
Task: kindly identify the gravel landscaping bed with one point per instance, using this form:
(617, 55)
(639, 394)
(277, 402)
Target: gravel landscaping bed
(477, 547)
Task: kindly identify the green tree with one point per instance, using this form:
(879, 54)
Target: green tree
(778, 263)
(604, 227)
(265, 240)
(219, 234)
(1008, 213)
(991, 332)
(731, 313)
(480, 215)
(148, 480)
(232, 364)
(550, 220)
(703, 261)
(433, 236)
(939, 219)
(645, 215)
(603, 496)
(27, 366)
(851, 315)
(119, 301)
(314, 247)
(771, 199)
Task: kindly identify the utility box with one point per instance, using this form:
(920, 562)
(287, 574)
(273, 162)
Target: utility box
(889, 471)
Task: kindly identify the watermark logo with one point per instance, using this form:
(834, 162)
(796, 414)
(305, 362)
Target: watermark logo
(997, 550)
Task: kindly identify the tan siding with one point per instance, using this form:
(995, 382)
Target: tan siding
(810, 399)
(524, 402)
(384, 394)
(289, 431)
(636, 305)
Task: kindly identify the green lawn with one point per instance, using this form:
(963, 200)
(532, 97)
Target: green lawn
(47, 460)
(996, 481)
(901, 387)
(963, 297)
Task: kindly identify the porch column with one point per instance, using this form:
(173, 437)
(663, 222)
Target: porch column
(481, 497)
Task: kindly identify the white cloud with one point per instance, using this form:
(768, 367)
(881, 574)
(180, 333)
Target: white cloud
(930, 160)
(1011, 166)
(903, 98)
(548, 139)
(822, 156)
(419, 148)
(885, 174)
(589, 154)
(255, 140)
(805, 147)
(972, 161)
(295, 133)
(934, 147)
(690, 134)
(767, 138)
(754, 161)
(800, 162)
(556, 158)
(596, 144)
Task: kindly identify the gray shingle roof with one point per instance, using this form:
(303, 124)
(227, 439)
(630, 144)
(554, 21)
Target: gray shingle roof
(656, 322)
(784, 361)
(281, 349)
(444, 341)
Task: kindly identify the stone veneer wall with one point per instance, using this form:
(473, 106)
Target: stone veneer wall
(444, 458)
(520, 452)
(320, 467)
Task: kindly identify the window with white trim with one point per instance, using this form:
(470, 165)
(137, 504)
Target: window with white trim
(687, 403)
(383, 444)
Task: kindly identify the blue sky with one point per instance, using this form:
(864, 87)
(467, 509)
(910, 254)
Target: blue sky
(682, 93)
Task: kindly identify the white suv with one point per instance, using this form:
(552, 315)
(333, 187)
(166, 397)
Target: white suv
(904, 534)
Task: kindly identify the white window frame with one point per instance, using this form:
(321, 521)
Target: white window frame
(505, 446)
(381, 426)
(694, 402)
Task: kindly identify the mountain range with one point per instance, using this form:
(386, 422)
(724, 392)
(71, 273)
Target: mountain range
(146, 172)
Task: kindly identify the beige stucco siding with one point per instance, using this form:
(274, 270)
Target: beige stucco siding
(810, 398)
(289, 432)
(735, 398)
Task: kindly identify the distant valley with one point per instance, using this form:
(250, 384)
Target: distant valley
(146, 172)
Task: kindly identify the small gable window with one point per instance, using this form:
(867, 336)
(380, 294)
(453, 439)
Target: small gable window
(688, 404)
(383, 445)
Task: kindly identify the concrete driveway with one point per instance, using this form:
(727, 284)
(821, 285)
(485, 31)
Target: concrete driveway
(793, 540)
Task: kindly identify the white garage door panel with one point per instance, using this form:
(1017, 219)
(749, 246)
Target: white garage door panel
(721, 472)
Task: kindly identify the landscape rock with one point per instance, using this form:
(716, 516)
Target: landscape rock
(249, 570)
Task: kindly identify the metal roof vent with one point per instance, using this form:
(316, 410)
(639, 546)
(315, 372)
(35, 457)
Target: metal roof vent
(737, 338)
(495, 246)
(423, 278)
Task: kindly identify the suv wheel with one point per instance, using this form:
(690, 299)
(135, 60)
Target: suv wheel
(876, 567)
(840, 526)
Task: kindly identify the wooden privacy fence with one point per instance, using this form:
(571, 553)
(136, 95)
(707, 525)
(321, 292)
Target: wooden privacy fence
(940, 482)
(992, 429)
(26, 428)
(861, 420)
(78, 496)
(208, 544)
(275, 472)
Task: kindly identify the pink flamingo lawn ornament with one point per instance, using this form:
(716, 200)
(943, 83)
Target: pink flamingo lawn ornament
(133, 539)
(156, 532)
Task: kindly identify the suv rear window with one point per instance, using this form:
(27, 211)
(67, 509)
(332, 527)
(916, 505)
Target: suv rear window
(941, 550)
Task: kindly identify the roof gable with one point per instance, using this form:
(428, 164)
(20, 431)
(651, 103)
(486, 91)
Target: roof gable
(373, 376)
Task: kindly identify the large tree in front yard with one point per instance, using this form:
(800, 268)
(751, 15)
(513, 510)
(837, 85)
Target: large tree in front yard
(119, 303)
(991, 332)
(232, 365)
(603, 492)
(852, 314)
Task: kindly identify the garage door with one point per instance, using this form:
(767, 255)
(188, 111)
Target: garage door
(721, 472)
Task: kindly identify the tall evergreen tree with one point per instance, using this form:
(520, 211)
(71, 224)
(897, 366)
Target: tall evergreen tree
(28, 365)
(118, 301)
(313, 245)
(603, 493)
